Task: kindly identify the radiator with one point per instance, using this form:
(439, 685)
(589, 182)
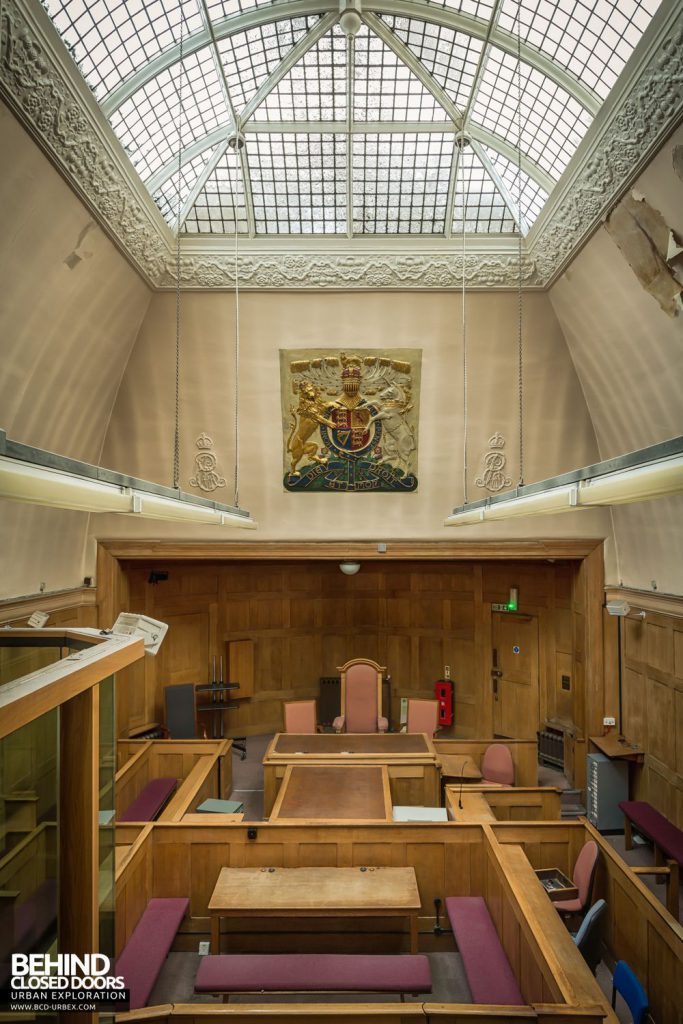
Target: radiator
(551, 748)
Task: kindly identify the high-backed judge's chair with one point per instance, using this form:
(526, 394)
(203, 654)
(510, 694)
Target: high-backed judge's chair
(361, 697)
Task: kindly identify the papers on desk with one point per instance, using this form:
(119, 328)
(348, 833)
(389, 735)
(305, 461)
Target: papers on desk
(420, 814)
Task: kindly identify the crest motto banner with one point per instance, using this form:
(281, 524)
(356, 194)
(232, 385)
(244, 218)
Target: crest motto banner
(350, 419)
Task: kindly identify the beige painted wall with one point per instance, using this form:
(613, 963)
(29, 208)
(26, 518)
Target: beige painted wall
(629, 357)
(65, 338)
(559, 434)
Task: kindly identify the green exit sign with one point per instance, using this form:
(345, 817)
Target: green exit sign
(509, 606)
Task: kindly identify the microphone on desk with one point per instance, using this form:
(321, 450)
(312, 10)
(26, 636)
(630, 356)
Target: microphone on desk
(462, 779)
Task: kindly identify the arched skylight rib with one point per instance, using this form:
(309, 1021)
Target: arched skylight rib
(166, 197)
(110, 41)
(250, 57)
(315, 88)
(485, 208)
(385, 89)
(400, 183)
(553, 123)
(147, 123)
(298, 183)
(213, 211)
(450, 57)
(533, 196)
(592, 40)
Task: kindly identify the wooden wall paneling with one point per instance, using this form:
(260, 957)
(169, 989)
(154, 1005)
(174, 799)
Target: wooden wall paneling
(133, 880)
(131, 779)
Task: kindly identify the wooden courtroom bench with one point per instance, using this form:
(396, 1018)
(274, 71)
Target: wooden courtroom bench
(667, 840)
(313, 972)
(146, 950)
(151, 800)
(488, 970)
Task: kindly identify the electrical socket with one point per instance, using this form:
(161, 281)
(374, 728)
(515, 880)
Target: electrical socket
(204, 948)
(609, 720)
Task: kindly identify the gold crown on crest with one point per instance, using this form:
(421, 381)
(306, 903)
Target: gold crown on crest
(497, 441)
(204, 442)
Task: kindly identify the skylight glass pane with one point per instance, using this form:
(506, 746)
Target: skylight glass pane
(166, 196)
(250, 57)
(485, 208)
(475, 8)
(298, 183)
(110, 40)
(553, 122)
(592, 39)
(400, 182)
(219, 9)
(315, 88)
(146, 124)
(533, 195)
(450, 57)
(213, 211)
(385, 89)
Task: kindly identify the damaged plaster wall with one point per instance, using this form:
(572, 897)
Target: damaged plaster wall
(628, 354)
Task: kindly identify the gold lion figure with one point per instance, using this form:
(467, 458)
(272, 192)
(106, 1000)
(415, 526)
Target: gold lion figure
(309, 415)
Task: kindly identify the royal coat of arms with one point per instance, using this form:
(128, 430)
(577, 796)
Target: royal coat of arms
(350, 419)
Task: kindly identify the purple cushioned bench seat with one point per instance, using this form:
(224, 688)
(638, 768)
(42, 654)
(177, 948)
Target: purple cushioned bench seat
(487, 968)
(656, 827)
(147, 948)
(313, 972)
(151, 800)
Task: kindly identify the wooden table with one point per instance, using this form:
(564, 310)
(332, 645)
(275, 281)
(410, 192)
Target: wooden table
(616, 746)
(458, 766)
(475, 806)
(411, 760)
(333, 794)
(315, 892)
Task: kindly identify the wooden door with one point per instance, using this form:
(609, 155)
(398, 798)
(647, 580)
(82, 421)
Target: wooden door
(514, 675)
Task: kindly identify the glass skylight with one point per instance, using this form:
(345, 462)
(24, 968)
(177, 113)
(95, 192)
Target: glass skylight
(250, 57)
(400, 183)
(298, 183)
(299, 120)
(315, 88)
(214, 209)
(485, 209)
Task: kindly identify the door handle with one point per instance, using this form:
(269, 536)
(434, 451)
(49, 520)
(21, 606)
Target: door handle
(494, 683)
(495, 672)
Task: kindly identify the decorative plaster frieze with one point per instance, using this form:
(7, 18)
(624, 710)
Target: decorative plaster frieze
(44, 88)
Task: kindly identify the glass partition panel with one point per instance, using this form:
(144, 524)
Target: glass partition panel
(16, 662)
(29, 798)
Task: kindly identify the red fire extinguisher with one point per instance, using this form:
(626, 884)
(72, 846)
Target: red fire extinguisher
(443, 691)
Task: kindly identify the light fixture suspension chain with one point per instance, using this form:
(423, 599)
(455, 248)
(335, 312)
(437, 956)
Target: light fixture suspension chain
(235, 193)
(520, 320)
(176, 436)
(461, 158)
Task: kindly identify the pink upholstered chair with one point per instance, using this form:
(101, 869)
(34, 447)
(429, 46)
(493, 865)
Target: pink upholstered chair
(361, 697)
(584, 871)
(300, 716)
(423, 716)
(497, 765)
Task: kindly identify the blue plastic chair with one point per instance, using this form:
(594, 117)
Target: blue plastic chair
(632, 992)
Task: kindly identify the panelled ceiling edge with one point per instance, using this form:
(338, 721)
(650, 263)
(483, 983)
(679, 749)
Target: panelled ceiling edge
(42, 86)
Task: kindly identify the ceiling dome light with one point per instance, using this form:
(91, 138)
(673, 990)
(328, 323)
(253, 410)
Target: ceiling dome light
(349, 568)
(350, 23)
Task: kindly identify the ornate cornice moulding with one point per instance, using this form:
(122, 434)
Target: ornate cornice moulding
(42, 86)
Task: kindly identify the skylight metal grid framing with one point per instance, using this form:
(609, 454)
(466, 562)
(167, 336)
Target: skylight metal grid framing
(485, 209)
(111, 40)
(298, 183)
(213, 210)
(553, 122)
(402, 96)
(592, 39)
(250, 57)
(533, 195)
(166, 197)
(147, 123)
(315, 88)
(401, 182)
(450, 57)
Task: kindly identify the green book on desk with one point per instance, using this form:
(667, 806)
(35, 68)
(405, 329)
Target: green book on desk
(220, 807)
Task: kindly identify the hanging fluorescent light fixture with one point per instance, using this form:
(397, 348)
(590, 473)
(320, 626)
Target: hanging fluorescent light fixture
(37, 477)
(653, 472)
